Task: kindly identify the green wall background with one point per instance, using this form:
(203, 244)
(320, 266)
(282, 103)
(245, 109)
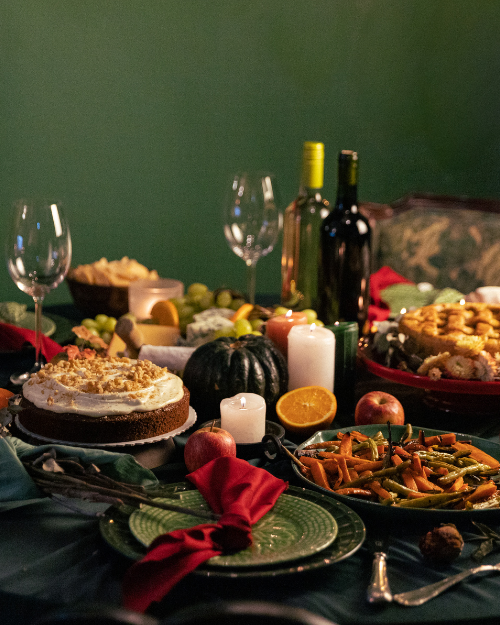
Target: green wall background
(135, 113)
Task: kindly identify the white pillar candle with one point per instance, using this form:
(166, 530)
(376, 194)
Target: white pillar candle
(244, 416)
(311, 357)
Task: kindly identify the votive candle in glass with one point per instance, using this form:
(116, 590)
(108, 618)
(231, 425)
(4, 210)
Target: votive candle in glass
(143, 294)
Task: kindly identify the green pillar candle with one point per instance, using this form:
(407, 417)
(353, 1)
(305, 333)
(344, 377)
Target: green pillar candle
(346, 346)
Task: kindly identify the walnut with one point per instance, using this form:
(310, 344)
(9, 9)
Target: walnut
(441, 545)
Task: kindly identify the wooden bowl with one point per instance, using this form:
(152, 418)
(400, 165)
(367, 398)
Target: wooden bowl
(93, 299)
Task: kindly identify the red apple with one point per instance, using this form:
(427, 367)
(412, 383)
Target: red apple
(379, 407)
(206, 444)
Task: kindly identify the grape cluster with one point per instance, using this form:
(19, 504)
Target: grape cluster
(101, 325)
(198, 298)
(312, 315)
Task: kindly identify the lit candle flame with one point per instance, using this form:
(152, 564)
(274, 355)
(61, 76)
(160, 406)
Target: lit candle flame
(402, 311)
(462, 302)
(243, 402)
(288, 313)
(311, 329)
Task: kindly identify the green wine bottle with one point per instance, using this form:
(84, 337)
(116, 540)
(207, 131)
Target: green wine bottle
(345, 252)
(301, 233)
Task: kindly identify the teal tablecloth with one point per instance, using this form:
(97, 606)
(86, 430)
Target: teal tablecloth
(51, 556)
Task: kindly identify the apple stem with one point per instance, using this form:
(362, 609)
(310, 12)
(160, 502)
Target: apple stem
(212, 426)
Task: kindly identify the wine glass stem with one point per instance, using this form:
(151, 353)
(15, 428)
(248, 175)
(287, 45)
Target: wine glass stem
(251, 273)
(38, 331)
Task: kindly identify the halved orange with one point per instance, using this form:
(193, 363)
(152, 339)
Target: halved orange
(4, 397)
(306, 410)
(242, 313)
(165, 312)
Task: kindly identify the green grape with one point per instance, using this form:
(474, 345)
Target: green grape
(224, 299)
(79, 341)
(106, 336)
(197, 290)
(207, 300)
(318, 323)
(178, 301)
(224, 332)
(89, 323)
(281, 310)
(256, 333)
(110, 325)
(186, 311)
(256, 323)
(94, 331)
(101, 321)
(311, 315)
(242, 326)
(237, 303)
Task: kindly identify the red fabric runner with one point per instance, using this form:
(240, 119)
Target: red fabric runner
(380, 280)
(232, 487)
(12, 337)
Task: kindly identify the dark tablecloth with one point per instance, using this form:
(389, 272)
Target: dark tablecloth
(50, 556)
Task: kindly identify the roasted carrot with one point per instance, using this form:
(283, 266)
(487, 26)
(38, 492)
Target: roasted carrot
(416, 465)
(396, 460)
(456, 485)
(477, 454)
(346, 445)
(353, 475)
(351, 460)
(309, 461)
(440, 439)
(401, 452)
(408, 480)
(379, 490)
(483, 491)
(423, 483)
(354, 492)
(343, 469)
(331, 467)
(372, 465)
(319, 475)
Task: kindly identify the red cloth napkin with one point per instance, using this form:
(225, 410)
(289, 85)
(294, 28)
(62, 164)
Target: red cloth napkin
(380, 280)
(12, 337)
(232, 487)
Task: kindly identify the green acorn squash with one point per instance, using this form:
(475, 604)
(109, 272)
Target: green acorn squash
(228, 366)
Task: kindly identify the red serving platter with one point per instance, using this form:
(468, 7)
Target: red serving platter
(472, 387)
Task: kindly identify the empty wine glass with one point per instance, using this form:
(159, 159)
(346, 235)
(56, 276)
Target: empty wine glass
(38, 253)
(252, 221)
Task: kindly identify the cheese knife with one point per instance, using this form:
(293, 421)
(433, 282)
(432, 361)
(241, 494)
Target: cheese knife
(379, 590)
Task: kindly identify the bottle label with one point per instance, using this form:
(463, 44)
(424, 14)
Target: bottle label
(313, 165)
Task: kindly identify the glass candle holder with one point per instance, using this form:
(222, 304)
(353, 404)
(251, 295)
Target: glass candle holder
(143, 294)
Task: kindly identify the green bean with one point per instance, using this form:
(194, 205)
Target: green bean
(429, 501)
(441, 465)
(377, 474)
(396, 487)
(437, 455)
(373, 449)
(462, 453)
(472, 470)
(407, 434)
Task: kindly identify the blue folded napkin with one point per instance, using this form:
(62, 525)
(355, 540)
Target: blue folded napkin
(17, 487)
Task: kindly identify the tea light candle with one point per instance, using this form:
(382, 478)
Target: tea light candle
(311, 357)
(277, 328)
(244, 416)
(143, 294)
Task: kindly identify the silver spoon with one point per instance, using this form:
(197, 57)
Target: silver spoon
(421, 595)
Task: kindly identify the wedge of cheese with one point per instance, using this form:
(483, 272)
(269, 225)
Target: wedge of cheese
(151, 335)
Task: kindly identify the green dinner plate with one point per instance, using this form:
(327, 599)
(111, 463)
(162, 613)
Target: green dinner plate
(351, 534)
(293, 528)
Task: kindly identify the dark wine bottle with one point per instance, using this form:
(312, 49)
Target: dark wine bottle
(345, 252)
(301, 233)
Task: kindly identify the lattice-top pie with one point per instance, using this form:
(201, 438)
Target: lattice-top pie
(460, 329)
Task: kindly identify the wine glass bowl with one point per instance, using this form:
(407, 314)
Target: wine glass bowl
(38, 255)
(252, 220)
